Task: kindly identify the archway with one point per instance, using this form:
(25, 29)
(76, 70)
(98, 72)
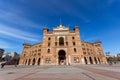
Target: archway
(85, 60)
(38, 63)
(91, 61)
(33, 63)
(61, 57)
(95, 60)
(29, 61)
(26, 62)
(99, 60)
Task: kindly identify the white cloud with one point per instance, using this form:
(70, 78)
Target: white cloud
(16, 33)
(18, 19)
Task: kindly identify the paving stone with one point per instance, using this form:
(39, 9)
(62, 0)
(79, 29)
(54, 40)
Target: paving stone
(79, 72)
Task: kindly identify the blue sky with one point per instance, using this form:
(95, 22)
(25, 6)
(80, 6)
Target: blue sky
(23, 21)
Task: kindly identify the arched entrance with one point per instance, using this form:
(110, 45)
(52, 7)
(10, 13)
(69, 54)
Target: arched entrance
(38, 63)
(26, 62)
(29, 61)
(91, 61)
(95, 60)
(85, 60)
(99, 60)
(33, 63)
(61, 57)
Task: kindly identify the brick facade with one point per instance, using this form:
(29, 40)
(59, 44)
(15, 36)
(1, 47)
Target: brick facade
(62, 46)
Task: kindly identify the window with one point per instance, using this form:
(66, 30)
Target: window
(99, 52)
(24, 55)
(73, 43)
(48, 51)
(48, 60)
(67, 43)
(83, 48)
(61, 41)
(35, 50)
(73, 38)
(98, 49)
(87, 49)
(39, 50)
(49, 44)
(34, 54)
(75, 50)
(55, 43)
(38, 53)
(76, 59)
(82, 44)
(84, 53)
(49, 38)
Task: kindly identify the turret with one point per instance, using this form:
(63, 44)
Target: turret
(76, 29)
(26, 45)
(45, 30)
(97, 43)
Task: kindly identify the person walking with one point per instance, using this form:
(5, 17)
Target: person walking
(3, 64)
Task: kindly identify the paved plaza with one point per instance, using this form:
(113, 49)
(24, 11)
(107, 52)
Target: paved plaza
(76, 72)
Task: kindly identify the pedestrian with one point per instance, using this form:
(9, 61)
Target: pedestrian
(2, 65)
(110, 63)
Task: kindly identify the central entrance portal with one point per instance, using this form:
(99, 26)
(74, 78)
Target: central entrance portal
(61, 57)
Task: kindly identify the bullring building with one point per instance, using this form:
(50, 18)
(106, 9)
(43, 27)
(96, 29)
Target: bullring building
(62, 46)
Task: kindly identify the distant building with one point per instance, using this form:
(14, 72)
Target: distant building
(9, 55)
(118, 55)
(62, 46)
(1, 53)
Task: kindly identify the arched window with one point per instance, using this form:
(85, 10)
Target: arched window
(24, 55)
(49, 44)
(55, 43)
(66, 43)
(48, 50)
(73, 43)
(73, 38)
(75, 50)
(49, 38)
(61, 41)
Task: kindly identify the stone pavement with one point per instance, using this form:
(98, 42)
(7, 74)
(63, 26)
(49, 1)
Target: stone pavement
(77, 72)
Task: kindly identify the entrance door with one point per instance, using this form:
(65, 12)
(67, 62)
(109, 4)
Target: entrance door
(33, 62)
(85, 60)
(91, 61)
(61, 57)
(38, 61)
